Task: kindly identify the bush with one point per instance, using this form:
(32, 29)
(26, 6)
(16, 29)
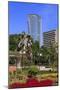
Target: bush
(33, 71)
(19, 71)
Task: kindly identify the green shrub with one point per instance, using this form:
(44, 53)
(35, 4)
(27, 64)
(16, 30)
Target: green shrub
(19, 71)
(33, 71)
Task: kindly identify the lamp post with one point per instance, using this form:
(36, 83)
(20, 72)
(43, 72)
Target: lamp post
(40, 55)
(49, 60)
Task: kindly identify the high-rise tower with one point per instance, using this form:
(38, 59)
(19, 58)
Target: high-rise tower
(34, 26)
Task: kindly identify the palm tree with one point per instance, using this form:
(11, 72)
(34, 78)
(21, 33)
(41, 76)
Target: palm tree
(24, 46)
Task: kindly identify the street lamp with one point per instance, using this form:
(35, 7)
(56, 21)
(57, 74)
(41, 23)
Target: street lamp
(40, 55)
(49, 60)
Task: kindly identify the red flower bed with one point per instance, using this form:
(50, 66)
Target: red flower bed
(32, 83)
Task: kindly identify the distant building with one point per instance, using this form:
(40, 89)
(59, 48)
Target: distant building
(34, 26)
(50, 37)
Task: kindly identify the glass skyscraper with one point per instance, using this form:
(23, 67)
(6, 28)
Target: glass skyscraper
(34, 26)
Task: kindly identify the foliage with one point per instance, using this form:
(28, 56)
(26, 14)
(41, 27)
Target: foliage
(33, 71)
(26, 62)
(53, 54)
(13, 41)
(35, 47)
(35, 51)
(49, 55)
(12, 62)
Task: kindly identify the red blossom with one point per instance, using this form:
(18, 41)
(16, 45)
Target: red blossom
(32, 83)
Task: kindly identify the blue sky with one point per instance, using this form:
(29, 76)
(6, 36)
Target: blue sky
(18, 12)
